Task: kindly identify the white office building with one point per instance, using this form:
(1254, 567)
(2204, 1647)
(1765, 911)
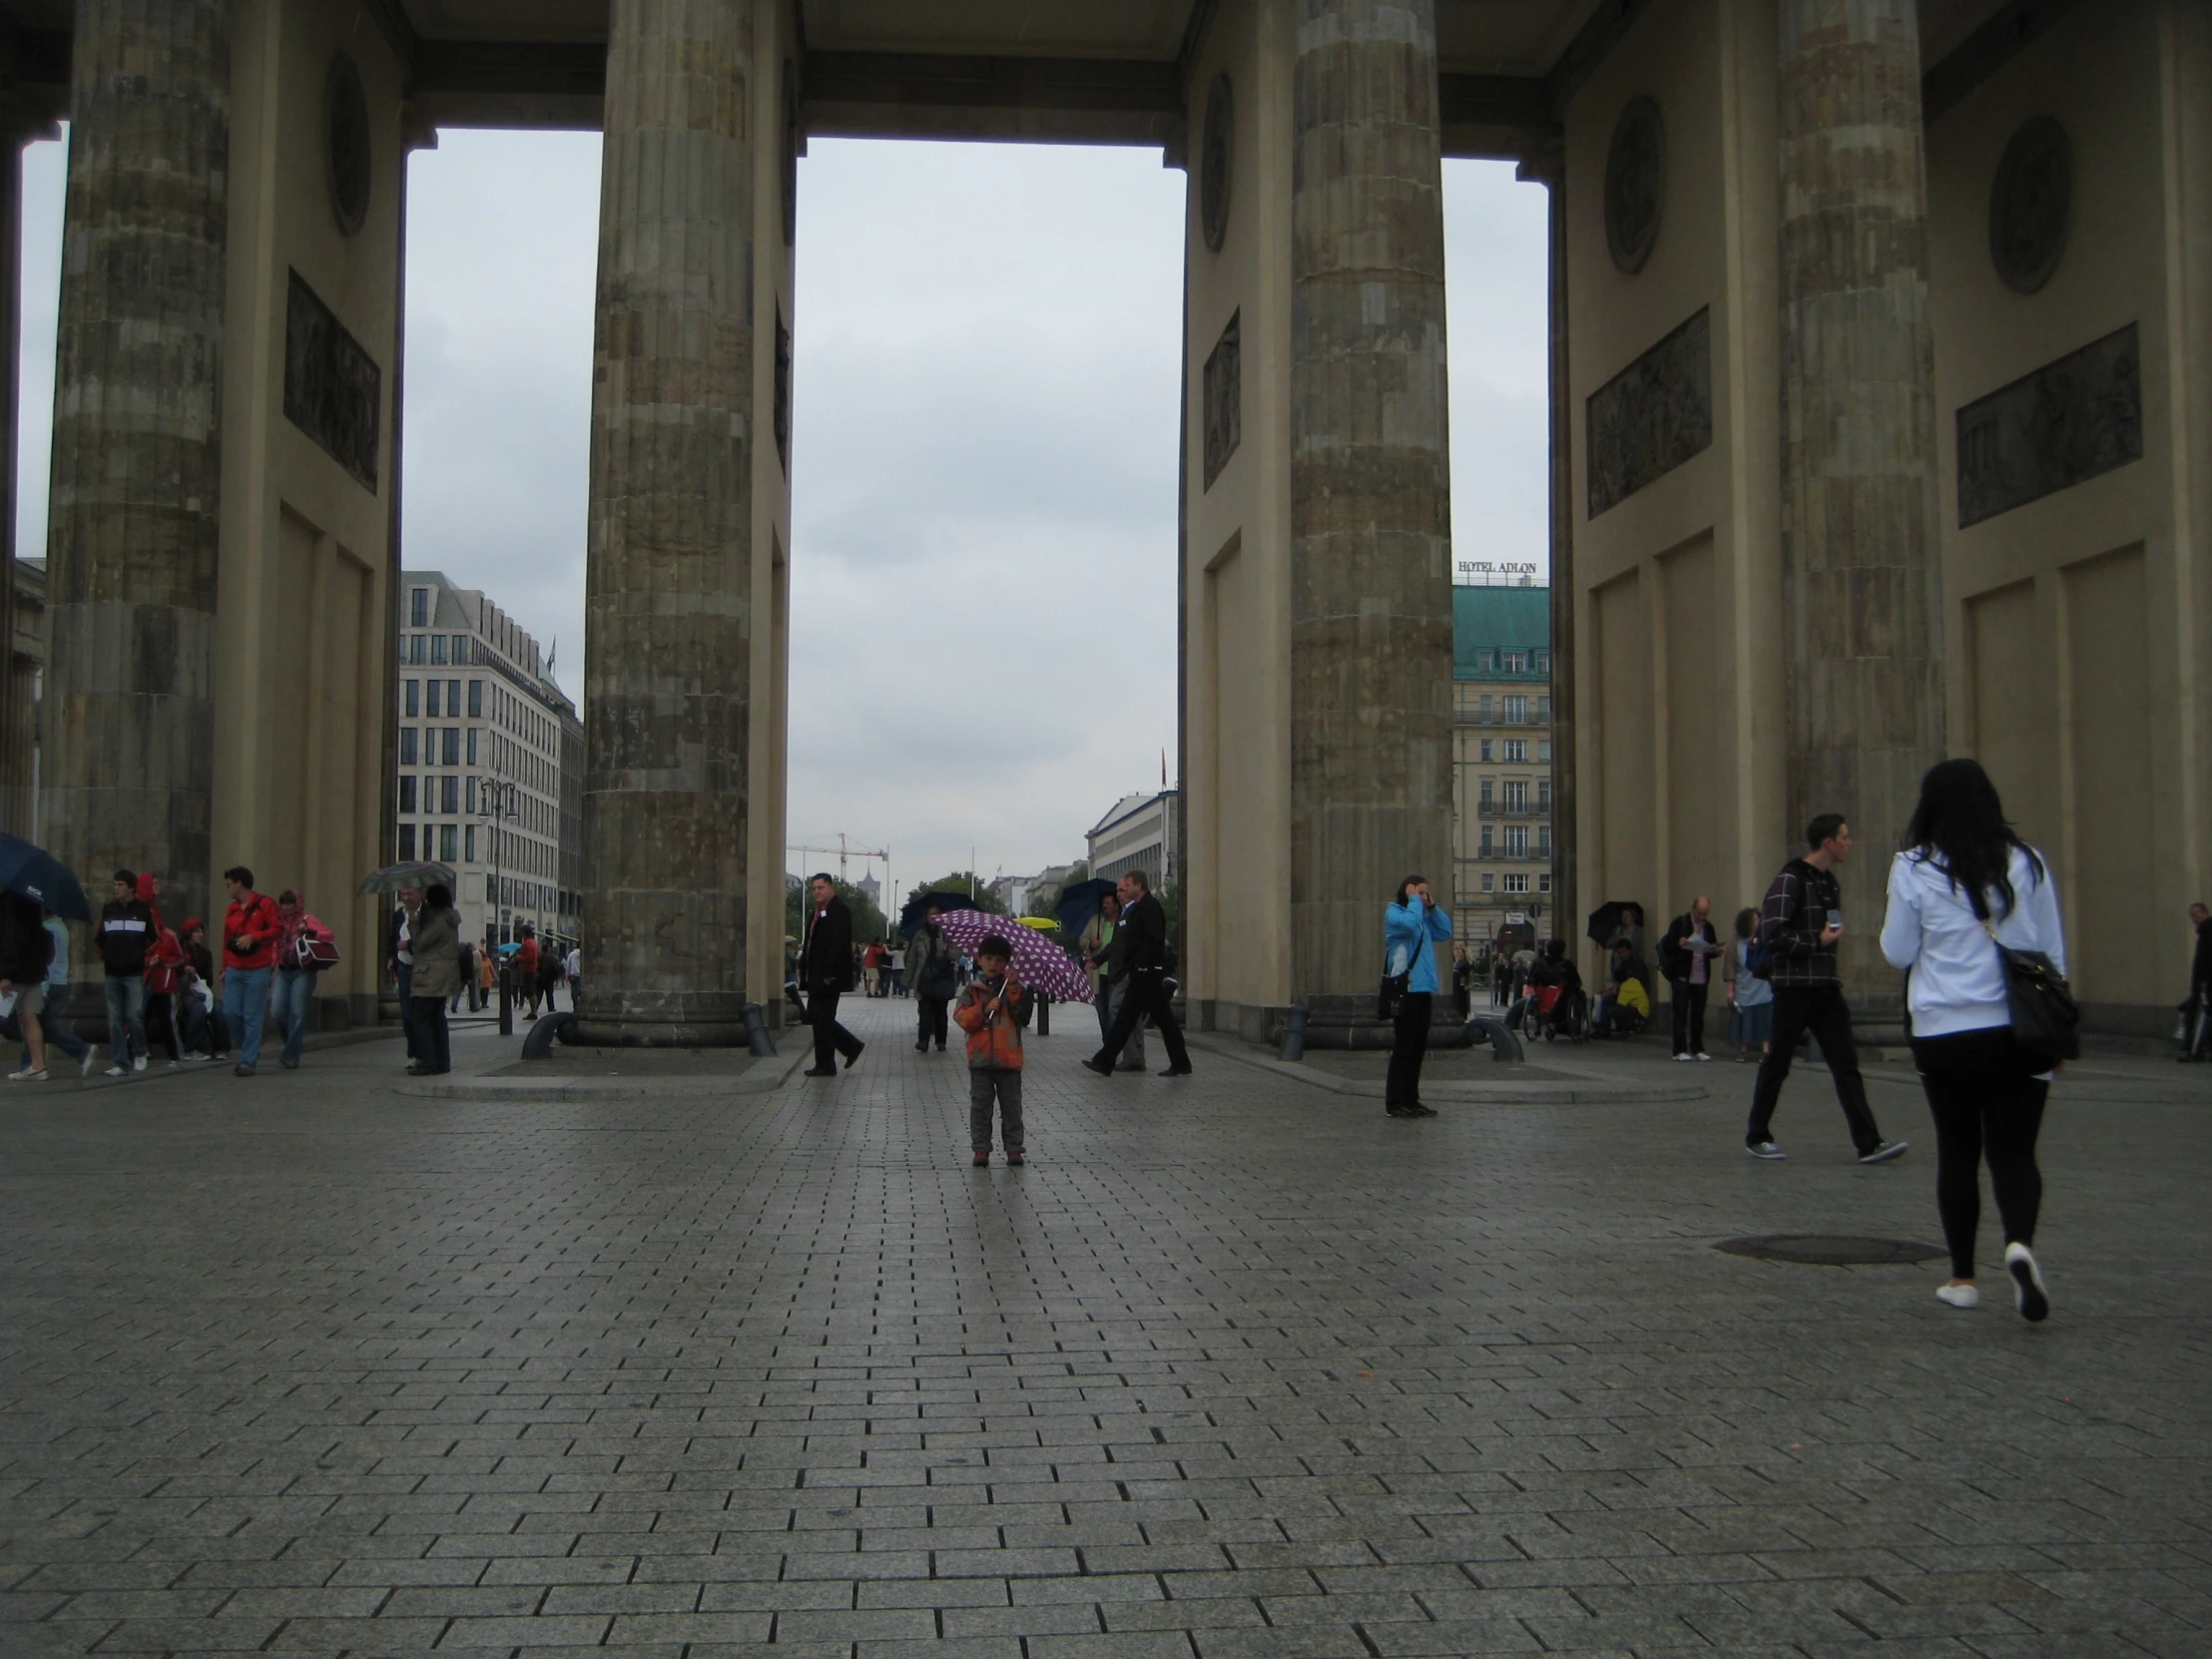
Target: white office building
(490, 762)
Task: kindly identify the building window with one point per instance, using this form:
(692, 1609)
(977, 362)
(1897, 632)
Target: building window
(411, 698)
(1516, 883)
(1543, 664)
(418, 608)
(1516, 840)
(1485, 661)
(460, 648)
(1516, 794)
(450, 793)
(406, 842)
(1489, 881)
(1543, 883)
(1488, 850)
(453, 692)
(1516, 711)
(418, 646)
(1516, 751)
(469, 844)
(449, 836)
(1486, 786)
(1544, 796)
(1543, 710)
(477, 699)
(472, 745)
(1543, 751)
(472, 791)
(430, 698)
(437, 648)
(407, 794)
(1516, 662)
(1543, 841)
(453, 745)
(407, 754)
(1485, 750)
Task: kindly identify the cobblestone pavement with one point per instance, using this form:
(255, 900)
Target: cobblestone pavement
(1234, 1367)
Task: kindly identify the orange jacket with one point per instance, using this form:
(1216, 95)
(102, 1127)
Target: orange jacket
(993, 1021)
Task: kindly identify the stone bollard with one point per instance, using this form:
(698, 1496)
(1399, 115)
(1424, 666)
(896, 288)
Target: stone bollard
(757, 1034)
(1294, 1033)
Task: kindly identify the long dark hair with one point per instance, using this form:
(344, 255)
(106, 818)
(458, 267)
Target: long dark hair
(1959, 823)
(1405, 887)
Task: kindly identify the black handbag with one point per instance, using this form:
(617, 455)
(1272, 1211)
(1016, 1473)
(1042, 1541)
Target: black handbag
(2046, 1021)
(1390, 996)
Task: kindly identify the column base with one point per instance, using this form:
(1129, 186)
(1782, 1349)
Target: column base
(678, 1022)
(1348, 1021)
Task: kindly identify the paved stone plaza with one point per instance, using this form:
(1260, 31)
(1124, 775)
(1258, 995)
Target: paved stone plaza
(1235, 1366)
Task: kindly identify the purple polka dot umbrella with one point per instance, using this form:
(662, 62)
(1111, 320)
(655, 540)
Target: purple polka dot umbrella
(1038, 962)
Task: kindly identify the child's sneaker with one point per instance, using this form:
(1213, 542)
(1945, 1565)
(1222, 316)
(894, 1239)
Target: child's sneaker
(983, 1159)
(1013, 1156)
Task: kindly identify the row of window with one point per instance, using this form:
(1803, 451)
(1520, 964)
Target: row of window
(441, 699)
(1511, 709)
(1514, 884)
(1511, 751)
(435, 650)
(459, 844)
(1513, 795)
(452, 796)
(1510, 840)
(1492, 661)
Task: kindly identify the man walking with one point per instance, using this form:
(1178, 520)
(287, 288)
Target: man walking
(1146, 925)
(249, 930)
(825, 967)
(1686, 952)
(126, 930)
(1802, 920)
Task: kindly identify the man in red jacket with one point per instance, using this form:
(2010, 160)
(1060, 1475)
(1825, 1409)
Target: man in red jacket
(249, 930)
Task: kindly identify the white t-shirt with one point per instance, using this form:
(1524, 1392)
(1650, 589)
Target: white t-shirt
(1958, 979)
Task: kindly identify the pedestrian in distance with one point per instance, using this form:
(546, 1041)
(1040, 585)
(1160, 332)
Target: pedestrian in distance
(825, 966)
(1463, 983)
(1964, 885)
(1624, 1006)
(249, 930)
(124, 931)
(1115, 981)
(992, 1012)
(206, 1029)
(1750, 996)
(437, 970)
(400, 957)
(1799, 924)
(53, 1018)
(1151, 987)
(573, 966)
(934, 970)
(304, 947)
(25, 951)
(165, 964)
(468, 982)
(1686, 952)
(1413, 926)
(525, 969)
(2196, 1009)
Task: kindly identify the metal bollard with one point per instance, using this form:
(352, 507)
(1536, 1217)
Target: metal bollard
(550, 1029)
(1044, 1014)
(757, 1034)
(1504, 1043)
(507, 1005)
(1294, 1033)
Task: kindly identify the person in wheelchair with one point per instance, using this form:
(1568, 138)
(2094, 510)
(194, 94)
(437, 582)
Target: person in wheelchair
(1625, 1007)
(1554, 1003)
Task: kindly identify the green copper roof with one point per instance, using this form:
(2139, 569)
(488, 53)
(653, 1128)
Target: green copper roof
(1497, 619)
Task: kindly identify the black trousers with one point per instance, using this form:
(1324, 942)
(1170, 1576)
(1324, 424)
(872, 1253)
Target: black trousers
(1820, 1010)
(828, 1034)
(1148, 995)
(1988, 1104)
(1408, 1047)
(1689, 1017)
(930, 1020)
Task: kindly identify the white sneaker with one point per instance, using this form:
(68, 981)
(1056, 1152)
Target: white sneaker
(27, 1075)
(90, 1060)
(1701, 1054)
(1682, 1056)
(2027, 1283)
(1959, 1296)
(139, 1064)
(115, 1071)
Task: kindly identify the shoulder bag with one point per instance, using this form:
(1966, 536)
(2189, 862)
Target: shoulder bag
(1389, 995)
(2047, 1022)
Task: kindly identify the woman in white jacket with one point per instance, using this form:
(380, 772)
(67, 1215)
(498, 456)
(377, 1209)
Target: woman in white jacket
(1964, 884)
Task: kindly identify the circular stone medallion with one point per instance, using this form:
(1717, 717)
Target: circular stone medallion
(1635, 185)
(2030, 204)
(1824, 1249)
(1214, 156)
(347, 142)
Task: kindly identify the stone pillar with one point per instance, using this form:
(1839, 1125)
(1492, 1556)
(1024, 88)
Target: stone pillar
(668, 641)
(1861, 579)
(1549, 167)
(1370, 549)
(128, 769)
(17, 730)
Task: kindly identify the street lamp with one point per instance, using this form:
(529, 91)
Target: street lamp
(496, 804)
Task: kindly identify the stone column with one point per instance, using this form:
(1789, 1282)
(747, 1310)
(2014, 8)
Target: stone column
(1547, 166)
(18, 126)
(1370, 550)
(128, 761)
(1861, 579)
(667, 643)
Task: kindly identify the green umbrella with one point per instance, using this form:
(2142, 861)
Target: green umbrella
(419, 874)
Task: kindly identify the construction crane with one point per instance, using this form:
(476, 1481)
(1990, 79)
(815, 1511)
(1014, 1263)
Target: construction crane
(845, 851)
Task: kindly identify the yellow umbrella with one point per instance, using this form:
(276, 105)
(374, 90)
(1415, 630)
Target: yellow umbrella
(1043, 925)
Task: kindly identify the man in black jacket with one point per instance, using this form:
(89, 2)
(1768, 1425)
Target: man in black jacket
(126, 928)
(826, 968)
(1147, 926)
(1686, 953)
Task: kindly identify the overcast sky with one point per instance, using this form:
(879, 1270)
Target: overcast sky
(983, 456)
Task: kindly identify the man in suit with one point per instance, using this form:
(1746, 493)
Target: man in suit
(1146, 925)
(826, 968)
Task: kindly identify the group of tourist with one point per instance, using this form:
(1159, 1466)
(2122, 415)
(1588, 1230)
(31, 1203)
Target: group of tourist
(161, 984)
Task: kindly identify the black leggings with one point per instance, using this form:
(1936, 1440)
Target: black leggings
(1988, 1104)
(1408, 1047)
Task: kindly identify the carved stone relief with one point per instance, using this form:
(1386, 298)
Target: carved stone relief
(2030, 203)
(2060, 426)
(1215, 163)
(334, 390)
(1651, 417)
(782, 414)
(1223, 397)
(346, 142)
(1635, 185)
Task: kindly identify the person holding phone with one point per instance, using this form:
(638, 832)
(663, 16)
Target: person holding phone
(1800, 923)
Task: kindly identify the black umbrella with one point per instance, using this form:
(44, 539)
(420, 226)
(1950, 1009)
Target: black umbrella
(40, 877)
(1080, 902)
(1606, 919)
(912, 916)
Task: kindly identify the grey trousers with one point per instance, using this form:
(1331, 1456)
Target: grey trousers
(1006, 1087)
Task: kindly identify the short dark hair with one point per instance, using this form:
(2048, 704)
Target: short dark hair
(239, 874)
(291, 895)
(128, 878)
(1823, 829)
(993, 945)
(1140, 877)
(822, 875)
(438, 895)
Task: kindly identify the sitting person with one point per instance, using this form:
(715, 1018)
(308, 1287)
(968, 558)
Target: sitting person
(1624, 1008)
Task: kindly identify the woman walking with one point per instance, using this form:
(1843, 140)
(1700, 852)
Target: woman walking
(934, 970)
(1750, 998)
(1965, 884)
(1410, 926)
(298, 960)
(437, 970)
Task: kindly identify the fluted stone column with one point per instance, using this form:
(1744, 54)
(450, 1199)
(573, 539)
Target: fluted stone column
(1371, 556)
(129, 758)
(1547, 166)
(668, 640)
(1861, 577)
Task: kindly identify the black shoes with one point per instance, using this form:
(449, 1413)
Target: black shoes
(1177, 1071)
(853, 1059)
(1416, 1110)
(921, 1048)
(1094, 1063)
(816, 1071)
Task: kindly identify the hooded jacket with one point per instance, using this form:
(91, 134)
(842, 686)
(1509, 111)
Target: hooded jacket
(125, 933)
(992, 1016)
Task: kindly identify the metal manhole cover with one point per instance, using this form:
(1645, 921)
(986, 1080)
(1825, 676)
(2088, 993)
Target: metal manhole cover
(1829, 1250)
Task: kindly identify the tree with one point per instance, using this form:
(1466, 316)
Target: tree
(867, 921)
(961, 882)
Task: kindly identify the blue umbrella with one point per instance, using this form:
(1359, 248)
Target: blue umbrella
(912, 916)
(1080, 903)
(40, 877)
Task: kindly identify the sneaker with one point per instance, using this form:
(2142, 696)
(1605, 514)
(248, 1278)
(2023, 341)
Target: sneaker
(1766, 1149)
(1682, 1056)
(27, 1075)
(242, 1071)
(2027, 1283)
(115, 1071)
(1014, 1158)
(84, 1067)
(982, 1158)
(1959, 1296)
(139, 1064)
(1884, 1152)
(1701, 1054)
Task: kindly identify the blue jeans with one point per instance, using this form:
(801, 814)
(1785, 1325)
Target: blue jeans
(289, 1005)
(126, 1018)
(59, 1034)
(244, 1003)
